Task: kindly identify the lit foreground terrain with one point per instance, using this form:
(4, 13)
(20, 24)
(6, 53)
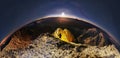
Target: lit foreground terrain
(46, 46)
(60, 37)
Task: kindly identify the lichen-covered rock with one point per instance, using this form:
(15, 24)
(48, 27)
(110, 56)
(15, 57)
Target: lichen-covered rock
(46, 46)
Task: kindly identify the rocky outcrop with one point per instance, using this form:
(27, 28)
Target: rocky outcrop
(19, 39)
(93, 37)
(46, 46)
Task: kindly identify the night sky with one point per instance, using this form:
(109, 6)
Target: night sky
(15, 13)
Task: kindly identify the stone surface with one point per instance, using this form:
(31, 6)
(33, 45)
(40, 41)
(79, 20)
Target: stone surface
(46, 46)
(94, 37)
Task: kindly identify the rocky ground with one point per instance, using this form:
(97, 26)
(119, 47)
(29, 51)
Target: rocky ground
(46, 46)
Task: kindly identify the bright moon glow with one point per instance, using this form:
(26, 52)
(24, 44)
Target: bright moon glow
(62, 14)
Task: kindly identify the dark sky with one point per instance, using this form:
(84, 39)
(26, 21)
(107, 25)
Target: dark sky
(15, 13)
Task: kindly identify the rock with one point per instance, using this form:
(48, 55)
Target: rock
(93, 37)
(46, 46)
(19, 40)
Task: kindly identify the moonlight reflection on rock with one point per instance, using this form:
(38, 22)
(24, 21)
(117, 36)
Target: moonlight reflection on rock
(76, 39)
